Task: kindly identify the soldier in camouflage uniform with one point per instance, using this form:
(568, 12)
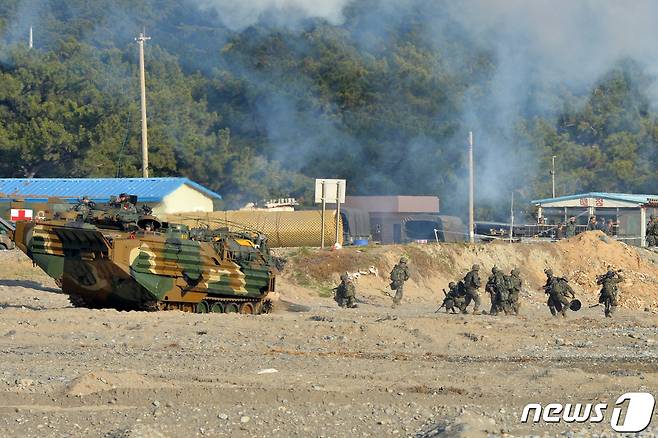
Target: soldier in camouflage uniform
(497, 288)
(399, 274)
(609, 290)
(559, 292)
(471, 284)
(652, 232)
(455, 298)
(514, 285)
(345, 292)
(84, 208)
(571, 227)
(127, 212)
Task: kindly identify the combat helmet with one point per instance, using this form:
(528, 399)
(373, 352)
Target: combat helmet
(548, 271)
(515, 271)
(451, 284)
(475, 267)
(344, 276)
(404, 259)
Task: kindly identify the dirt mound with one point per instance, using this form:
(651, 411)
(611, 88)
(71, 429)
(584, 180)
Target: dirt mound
(580, 259)
(99, 381)
(589, 254)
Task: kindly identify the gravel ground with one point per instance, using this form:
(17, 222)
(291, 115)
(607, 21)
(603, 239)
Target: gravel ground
(323, 372)
(307, 370)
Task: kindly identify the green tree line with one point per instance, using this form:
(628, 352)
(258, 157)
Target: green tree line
(260, 112)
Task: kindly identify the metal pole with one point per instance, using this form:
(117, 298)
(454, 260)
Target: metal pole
(142, 85)
(324, 206)
(511, 228)
(643, 226)
(337, 209)
(553, 174)
(30, 42)
(471, 219)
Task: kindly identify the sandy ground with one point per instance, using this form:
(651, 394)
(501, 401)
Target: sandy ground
(309, 369)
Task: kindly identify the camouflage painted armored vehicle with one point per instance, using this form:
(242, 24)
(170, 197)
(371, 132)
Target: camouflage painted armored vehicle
(6, 228)
(132, 261)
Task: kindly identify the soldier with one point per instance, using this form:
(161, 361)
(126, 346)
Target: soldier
(345, 292)
(448, 298)
(609, 290)
(610, 228)
(560, 231)
(592, 225)
(399, 274)
(455, 298)
(571, 227)
(514, 285)
(84, 207)
(460, 298)
(471, 285)
(127, 213)
(117, 201)
(497, 288)
(88, 202)
(559, 292)
(652, 232)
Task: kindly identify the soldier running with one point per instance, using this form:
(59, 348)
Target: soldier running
(609, 290)
(497, 288)
(559, 292)
(471, 284)
(399, 274)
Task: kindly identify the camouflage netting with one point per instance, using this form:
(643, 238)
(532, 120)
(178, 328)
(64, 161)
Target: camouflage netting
(283, 228)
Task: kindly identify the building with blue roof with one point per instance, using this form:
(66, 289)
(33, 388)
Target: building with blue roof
(630, 212)
(164, 195)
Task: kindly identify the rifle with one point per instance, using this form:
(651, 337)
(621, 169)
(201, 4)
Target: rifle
(594, 305)
(445, 295)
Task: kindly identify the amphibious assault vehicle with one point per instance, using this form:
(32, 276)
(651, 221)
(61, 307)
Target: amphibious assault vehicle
(121, 257)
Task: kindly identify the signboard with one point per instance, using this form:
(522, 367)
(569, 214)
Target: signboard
(332, 187)
(21, 214)
(587, 202)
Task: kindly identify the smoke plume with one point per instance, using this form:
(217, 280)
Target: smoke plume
(238, 15)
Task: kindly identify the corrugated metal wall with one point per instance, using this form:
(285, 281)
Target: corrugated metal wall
(283, 228)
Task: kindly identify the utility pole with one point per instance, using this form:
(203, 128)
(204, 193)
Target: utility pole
(337, 210)
(511, 222)
(471, 217)
(142, 85)
(30, 45)
(553, 173)
(324, 208)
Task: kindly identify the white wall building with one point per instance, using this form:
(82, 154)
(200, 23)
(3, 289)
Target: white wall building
(164, 195)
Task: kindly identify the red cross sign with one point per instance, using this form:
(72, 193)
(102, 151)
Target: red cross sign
(21, 214)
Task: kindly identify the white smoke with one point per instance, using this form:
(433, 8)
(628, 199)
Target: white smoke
(545, 45)
(570, 41)
(237, 15)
